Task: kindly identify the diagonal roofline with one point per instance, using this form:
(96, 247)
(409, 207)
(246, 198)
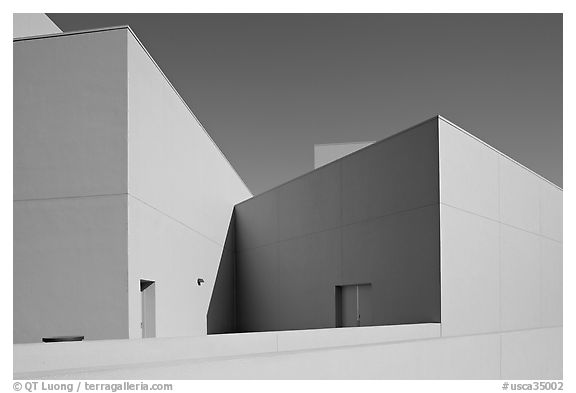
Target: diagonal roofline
(436, 117)
(344, 143)
(73, 32)
(126, 27)
(497, 151)
(378, 142)
(439, 117)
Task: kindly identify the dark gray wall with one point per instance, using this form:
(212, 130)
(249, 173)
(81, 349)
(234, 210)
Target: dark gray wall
(221, 317)
(371, 217)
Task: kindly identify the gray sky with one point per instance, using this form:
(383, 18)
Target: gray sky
(268, 87)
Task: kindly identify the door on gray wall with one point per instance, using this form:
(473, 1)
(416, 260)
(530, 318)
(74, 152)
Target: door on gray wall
(353, 305)
(148, 294)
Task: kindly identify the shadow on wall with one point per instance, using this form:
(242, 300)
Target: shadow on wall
(353, 243)
(222, 310)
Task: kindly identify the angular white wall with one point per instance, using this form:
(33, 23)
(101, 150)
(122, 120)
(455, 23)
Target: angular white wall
(181, 194)
(26, 25)
(174, 256)
(501, 263)
(113, 177)
(501, 252)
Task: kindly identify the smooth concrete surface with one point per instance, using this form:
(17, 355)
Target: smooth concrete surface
(395, 174)
(182, 193)
(385, 352)
(297, 340)
(38, 359)
(70, 116)
(354, 221)
(307, 274)
(257, 221)
(165, 251)
(470, 273)
(26, 25)
(221, 317)
(501, 240)
(519, 196)
(551, 276)
(325, 153)
(516, 266)
(520, 279)
(31, 360)
(399, 255)
(70, 270)
(310, 203)
(305, 205)
(94, 116)
(550, 211)
(173, 164)
(468, 173)
(70, 184)
(256, 295)
(532, 354)
(473, 357)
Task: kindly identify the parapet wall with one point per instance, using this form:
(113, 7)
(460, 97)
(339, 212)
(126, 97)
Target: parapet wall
(380, 352)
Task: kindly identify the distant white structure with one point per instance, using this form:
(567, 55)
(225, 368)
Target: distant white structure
(26, 25)
(327, 152)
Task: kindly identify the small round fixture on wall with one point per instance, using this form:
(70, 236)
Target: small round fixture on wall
(200, 281)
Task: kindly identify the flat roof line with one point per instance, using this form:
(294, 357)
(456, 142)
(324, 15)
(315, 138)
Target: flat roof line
(98, 30)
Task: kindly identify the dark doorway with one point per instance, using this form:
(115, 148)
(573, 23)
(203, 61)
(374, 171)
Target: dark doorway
(148, 324)
(353, 305)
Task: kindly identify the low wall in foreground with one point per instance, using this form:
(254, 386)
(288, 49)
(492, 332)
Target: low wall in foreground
(379, 352)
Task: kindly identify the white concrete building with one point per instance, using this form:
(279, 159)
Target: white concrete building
(118, 189)
(115, 181)
(27, 25)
